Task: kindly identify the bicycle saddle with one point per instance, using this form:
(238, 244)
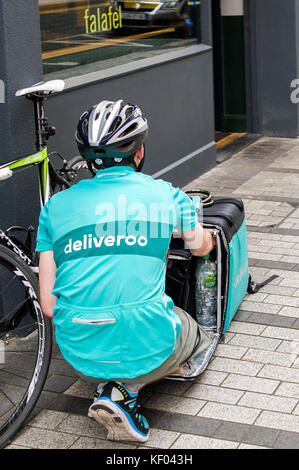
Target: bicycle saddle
(44, 88)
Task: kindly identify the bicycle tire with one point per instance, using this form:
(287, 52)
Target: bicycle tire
(26, 344)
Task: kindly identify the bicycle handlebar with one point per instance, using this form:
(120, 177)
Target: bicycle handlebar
(5, 173)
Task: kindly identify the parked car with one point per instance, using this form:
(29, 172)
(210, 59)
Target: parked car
(152, 14)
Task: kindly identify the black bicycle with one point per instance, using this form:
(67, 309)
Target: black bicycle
(25, 333)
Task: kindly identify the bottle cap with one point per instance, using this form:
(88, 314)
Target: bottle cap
(206, 256)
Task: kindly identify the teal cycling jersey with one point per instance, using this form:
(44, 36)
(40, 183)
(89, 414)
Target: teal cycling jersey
(110, 236)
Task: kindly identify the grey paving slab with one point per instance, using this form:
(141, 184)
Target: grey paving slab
(287, 440)
(162, 439)
(255, 435)
(188, 425)
(225, 412)
(188, 406)
(198, 442)
(254, 384)
(61, 367)
(48, 419)
(69, 404)
(37, 438)
(212, 377)
(81, 425)
(256, 342)
(80, 388)
(285, 231)
(58, 383)
(15, 447)
(243, 315)
(46, 398)
(235, 366)
(217, 394)
(268, 402)
(262, 263)
(288, 389)
(93, 443)
(266, 319)
(269, 357)
(172, 388)
(283, 421)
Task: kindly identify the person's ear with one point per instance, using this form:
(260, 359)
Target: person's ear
(139, 155)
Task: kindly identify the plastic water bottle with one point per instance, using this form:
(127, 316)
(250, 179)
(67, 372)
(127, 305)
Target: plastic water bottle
(206, 292)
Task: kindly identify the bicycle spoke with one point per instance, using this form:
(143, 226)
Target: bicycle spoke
(18, 375)
(9, 282)
(13, 379)
(7, 397)
(23, 302)
(20, 328)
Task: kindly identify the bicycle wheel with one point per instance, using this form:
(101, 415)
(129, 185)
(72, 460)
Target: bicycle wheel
(25, 344)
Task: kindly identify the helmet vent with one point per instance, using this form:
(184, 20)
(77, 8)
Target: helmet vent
(85, 126)
(129, 111)
(129, 130)
(117, 121)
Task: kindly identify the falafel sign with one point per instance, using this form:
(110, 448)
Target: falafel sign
(102, 21)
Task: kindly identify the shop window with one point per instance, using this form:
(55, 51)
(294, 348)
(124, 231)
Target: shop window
(82, 36)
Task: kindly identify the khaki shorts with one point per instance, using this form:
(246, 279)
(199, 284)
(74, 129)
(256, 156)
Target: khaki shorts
(192, 341)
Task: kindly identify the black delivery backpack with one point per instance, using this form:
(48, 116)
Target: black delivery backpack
(225, 216)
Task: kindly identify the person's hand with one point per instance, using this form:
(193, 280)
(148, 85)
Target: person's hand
(200, 241)
(209, 243)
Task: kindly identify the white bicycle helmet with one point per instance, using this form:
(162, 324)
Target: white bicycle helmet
(110, 132)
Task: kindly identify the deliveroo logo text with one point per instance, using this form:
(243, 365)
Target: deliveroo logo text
(240, 276)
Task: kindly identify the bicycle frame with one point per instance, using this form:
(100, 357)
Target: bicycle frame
(5, 240)
(39, 159)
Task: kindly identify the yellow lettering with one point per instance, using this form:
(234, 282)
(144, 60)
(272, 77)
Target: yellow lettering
(86, 17)
(120, 19)
(110, 19)
(104, 22)
(115, 20)
(93, 24)
(99, 18)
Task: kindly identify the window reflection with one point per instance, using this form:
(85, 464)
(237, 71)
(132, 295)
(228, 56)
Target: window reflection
(81, 36)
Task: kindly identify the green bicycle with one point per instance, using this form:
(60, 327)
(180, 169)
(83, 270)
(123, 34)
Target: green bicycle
(25, 333)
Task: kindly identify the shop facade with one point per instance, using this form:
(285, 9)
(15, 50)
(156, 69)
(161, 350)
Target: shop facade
(192, 66)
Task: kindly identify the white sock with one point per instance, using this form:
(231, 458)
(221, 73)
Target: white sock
(100, 387)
